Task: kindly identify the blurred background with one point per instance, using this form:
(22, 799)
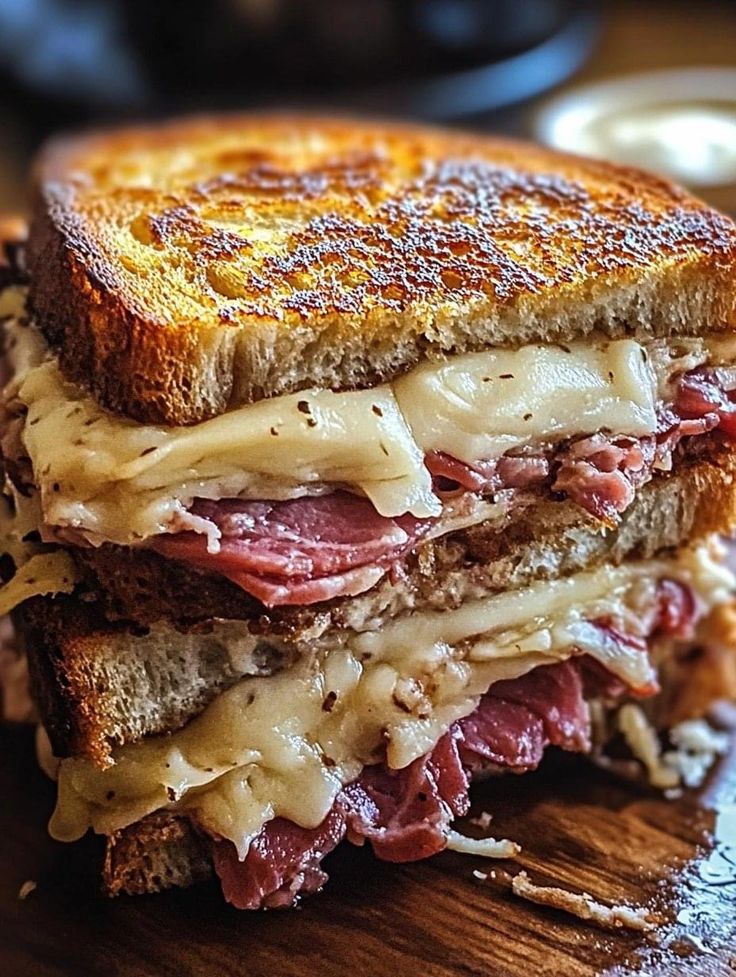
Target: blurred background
(638, 80)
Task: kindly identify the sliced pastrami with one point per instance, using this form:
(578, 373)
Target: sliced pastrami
(316, 548)
(298, 551)
(406, 814)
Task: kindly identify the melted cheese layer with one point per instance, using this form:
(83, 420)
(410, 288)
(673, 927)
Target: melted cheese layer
(480, 405)
(284, 745)
(45, 573)
(116, 480)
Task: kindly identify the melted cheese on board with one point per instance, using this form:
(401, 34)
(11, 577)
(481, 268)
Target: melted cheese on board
(113, 479)
(285, 744)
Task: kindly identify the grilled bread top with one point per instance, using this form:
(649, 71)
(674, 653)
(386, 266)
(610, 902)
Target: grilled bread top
(186, 268)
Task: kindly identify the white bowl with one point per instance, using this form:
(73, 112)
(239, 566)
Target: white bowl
(681, 123)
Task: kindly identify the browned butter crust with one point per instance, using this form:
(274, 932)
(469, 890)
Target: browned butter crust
(183, 269)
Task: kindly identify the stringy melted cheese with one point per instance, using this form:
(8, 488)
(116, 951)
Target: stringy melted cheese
(37, 572)
(284, 745)
(117, 480)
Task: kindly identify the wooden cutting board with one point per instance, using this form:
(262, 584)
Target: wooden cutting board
(578, 826)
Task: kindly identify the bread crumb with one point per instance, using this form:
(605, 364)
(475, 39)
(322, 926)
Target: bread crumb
(583, 905)
(26, 889)
(483, 820)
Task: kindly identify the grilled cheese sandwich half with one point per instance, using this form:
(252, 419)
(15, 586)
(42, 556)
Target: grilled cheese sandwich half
(345, 463)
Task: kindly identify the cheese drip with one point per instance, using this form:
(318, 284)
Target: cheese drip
(45, 573)
(37, 572)
(284, 745)
(113, 479)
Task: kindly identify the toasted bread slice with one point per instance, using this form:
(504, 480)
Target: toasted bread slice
(184, 269)
(99, 684)
(162, 851)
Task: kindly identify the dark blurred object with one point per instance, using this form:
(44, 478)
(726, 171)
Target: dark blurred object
(76, 60)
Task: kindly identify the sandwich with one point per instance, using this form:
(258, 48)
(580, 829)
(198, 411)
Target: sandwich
(346, 463)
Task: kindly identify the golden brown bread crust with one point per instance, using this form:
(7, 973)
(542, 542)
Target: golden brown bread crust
(183, 269)
(98, 684)
(56, 639)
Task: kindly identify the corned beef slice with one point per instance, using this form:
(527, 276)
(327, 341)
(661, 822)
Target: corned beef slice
(517, 720)
(406, 814)
(283, 862)
(300, 551)
(312, 549)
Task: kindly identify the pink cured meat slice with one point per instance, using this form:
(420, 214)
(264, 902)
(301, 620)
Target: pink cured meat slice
(516, 720)
(406, 814)
(313, 549)
(297, 551)
(283, 862)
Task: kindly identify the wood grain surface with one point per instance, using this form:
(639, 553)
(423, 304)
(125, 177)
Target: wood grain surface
(578, 826)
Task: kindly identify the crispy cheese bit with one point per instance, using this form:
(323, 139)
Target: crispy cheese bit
(642, 739)
(26, 889)
(696, 747)
(486, 847)
(582, 905)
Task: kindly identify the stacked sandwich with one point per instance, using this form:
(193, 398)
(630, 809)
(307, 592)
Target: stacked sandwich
(345, 463)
